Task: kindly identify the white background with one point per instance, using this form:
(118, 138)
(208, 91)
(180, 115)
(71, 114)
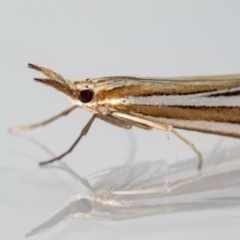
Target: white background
(82, 39)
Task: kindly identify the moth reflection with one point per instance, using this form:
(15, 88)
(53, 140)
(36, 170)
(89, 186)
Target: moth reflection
(147, 188)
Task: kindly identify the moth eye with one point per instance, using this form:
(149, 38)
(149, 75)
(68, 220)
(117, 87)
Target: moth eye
(85, 95)
(84, 206)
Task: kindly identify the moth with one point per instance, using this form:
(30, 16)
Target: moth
(149, 188)
(207, 104)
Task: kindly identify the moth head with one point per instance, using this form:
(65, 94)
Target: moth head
(78, 92)
(83, 206)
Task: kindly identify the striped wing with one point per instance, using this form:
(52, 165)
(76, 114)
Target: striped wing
(208, 104)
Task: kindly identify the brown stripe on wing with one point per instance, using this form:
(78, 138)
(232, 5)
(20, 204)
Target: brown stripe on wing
(225, 94)
(191, 113)
(137, 89)
(223, 131)
(216, 132)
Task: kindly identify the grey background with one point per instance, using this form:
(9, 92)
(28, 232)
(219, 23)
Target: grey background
(82, 39)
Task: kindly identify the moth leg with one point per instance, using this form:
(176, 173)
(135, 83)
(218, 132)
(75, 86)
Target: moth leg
(191, 145)
(153, 190)
(100, 173)
(122, 123)
(164, 127)
(83, 133)
(142, 123)
(82, 180)
(26, 127)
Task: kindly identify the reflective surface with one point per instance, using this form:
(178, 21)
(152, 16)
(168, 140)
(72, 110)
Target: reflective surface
(148, 188)
(84, 39)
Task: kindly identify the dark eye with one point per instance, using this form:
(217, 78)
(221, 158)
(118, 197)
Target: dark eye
(85, 95)
(83, 205)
